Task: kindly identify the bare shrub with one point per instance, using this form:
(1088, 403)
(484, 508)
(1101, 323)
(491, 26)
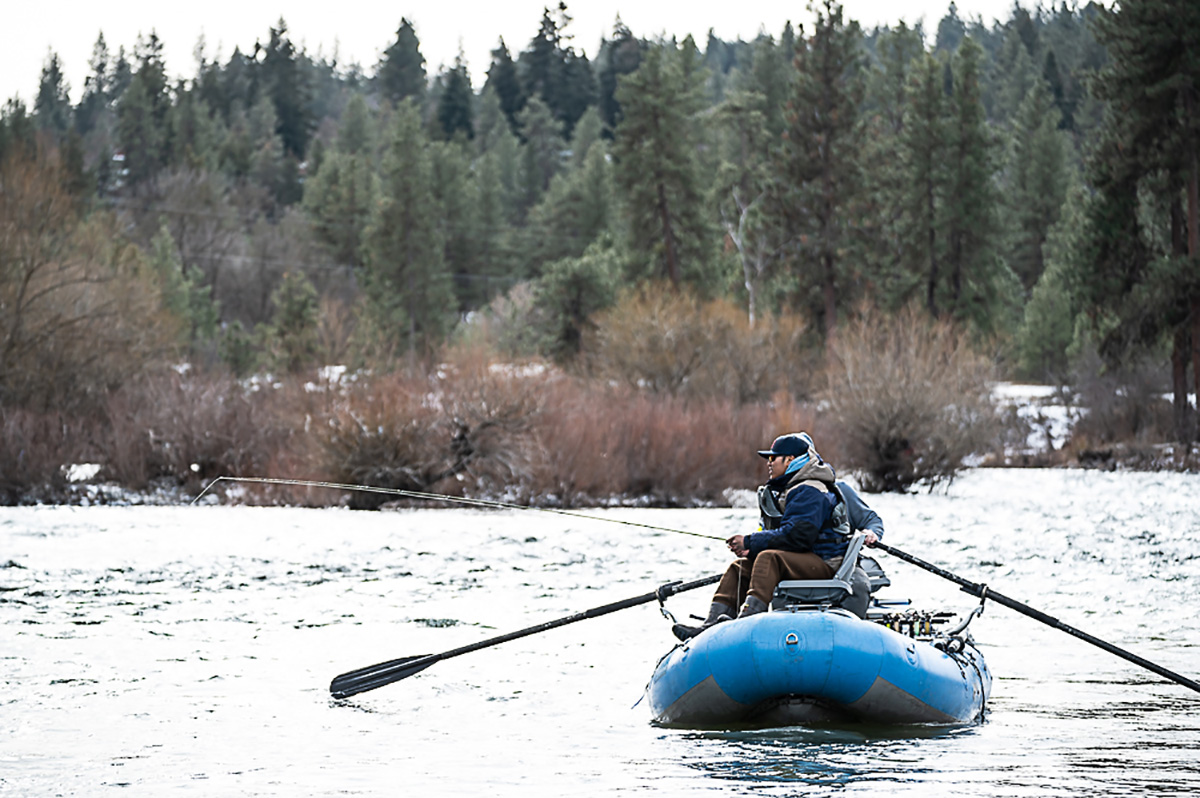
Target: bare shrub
(628, 444)
(335, 329)
(911, 398)
(469, 425)
(82, 313)
(670, 342)
(1128, 405)
(189, 429)
(34, 447)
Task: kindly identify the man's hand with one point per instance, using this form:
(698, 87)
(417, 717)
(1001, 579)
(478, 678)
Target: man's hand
(737, 544)
(870, 538)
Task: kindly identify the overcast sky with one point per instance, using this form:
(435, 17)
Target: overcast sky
(358, 31)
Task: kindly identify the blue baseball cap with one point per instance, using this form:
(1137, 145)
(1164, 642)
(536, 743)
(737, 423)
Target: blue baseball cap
(791, 445)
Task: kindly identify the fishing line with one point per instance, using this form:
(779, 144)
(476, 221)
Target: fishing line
(416, 494)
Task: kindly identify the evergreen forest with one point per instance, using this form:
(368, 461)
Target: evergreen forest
(585, 257)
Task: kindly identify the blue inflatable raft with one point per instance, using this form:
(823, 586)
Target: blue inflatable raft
(810, 661)
(794, 667)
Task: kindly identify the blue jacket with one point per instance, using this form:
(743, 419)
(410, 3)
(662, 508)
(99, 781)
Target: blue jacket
(807, 524)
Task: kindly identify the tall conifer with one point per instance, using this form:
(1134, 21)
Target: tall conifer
(657, 174)
(410, 292)
(820, 163)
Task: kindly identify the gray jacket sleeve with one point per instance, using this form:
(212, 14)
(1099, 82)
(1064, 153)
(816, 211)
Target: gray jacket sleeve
(861, 516)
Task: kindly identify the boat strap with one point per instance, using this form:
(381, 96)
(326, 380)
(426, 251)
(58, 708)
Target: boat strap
(954, 640)
(663, 593)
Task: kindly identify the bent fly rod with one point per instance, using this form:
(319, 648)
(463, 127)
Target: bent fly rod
(416, 494)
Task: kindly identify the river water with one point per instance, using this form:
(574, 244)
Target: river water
(188, 650)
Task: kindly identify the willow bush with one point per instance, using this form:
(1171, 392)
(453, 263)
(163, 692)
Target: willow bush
(668, 341)
(911, 399)
(189, 428)
(466, 425)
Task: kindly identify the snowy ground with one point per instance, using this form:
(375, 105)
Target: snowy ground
(1047, 409)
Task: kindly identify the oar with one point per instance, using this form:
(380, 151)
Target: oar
(373, 676)
(984, 592)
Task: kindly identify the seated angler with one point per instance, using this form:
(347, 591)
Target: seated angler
(808, 530)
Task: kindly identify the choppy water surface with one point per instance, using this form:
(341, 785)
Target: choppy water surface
(149, 651)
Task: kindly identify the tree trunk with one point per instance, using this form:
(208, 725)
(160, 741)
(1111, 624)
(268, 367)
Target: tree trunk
(1179, 364)
(664, 214)
(1193, 236)
(830, 292)
(933, 264)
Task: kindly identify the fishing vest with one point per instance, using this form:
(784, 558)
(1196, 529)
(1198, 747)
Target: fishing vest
(831, 542)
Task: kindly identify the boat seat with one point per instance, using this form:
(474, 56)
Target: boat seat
(821, 591)
(874, 572)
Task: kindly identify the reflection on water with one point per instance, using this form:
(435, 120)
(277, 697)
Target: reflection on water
(817, 757)
(165, 650)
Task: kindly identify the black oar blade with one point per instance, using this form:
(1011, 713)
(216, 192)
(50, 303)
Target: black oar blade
(364, 679)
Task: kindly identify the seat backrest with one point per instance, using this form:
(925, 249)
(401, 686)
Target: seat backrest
(821, 591)
(874, 572)
(850, 561)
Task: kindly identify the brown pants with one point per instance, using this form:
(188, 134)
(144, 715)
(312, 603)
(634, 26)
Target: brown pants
(758, 577)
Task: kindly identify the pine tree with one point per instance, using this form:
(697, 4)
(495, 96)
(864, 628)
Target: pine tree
(183, 293)
(195, 134)
(95, 100)
(52, 108)
(355, 136)
(588, 132)
(284, 82)
(657, 174)
(950, 31)
(503, 81)
(1037, 181)
(743, 183)
(980, 288)
(341, 194)
(18, 138)
(570, 292)
(454, 112)
(574, 212)
(142, 123)
(923, 191)
(291, 338)
(771, 75)
(542, 151)
(1148, 148)
(892, 197)
(620, 55)
(457, 200)
(1015, 75)
(410, 292)
(401, 71)
(1047, 334)
(819, 168)
(553, 71)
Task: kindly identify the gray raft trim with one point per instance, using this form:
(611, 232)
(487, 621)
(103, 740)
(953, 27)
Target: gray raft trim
(884, 702)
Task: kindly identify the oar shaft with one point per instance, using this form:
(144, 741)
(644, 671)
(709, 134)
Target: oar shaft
(373, 676)
(595, 612)
(982, 591)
